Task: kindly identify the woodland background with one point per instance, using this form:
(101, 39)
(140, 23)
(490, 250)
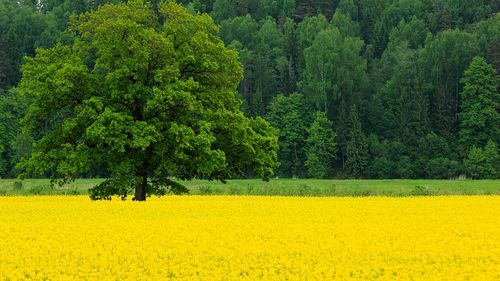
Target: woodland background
(357, 88)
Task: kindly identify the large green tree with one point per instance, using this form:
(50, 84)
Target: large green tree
(335, 70)
(480, 100)
(145, 98)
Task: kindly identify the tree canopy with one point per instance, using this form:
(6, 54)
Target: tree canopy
(479, 119)
(146, 98)
(406, 65)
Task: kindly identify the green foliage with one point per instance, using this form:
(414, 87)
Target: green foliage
(442, 168)
(488, 35)
(381, 168)
(40, 189)
(402, 63)
(483, 163)
(348, 7)
(278, 8)
(223, 9)
(345, 24)
(306, 32)
(479, 119)
(262, 51)
(443, 61)
(143, 99)
(12, 108)
(334, 69)
(242, 29)
(414, 32)
(289, 187)
(356, 148)
(405, 107)
(289, 114)
(390, 18)
(421, 190)
(321, 147)
(18, 185)
(434, 158)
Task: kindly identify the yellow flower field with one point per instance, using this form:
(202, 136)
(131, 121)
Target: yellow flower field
(250, 238)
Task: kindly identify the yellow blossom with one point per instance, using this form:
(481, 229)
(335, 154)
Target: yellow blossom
(250, 238)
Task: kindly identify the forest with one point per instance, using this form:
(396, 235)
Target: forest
(356, 88)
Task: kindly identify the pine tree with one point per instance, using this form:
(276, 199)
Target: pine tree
(342, 128)
(357, 147)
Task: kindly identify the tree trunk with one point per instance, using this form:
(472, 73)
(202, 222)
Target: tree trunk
(140, 189)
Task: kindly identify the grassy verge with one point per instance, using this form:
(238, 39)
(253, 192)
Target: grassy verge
(282, 187)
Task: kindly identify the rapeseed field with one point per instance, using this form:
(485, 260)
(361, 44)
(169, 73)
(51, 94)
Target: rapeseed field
(250, 238)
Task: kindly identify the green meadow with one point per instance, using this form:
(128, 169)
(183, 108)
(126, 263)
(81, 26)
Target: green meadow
(280, 187)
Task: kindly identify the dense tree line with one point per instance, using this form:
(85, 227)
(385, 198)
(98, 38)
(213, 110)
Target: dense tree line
(357, 88)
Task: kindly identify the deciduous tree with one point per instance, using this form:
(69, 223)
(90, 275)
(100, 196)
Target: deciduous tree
(480, 100)
(144, 99)
(321, 147)
(334, 70)
(289, 114)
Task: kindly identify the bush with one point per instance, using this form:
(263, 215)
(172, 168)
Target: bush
(421, 190)
(443, 168)
(233, 190)
(480, 163)
(406, 168)
(39, 189)
(380, 168)
(205, 190)
(73, 191)
(361, 193)
(18, 185)
(304, 190)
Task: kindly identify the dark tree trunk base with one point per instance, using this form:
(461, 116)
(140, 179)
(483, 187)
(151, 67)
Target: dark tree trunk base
(140, 190)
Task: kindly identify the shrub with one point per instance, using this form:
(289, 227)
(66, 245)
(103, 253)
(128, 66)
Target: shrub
(73, 191)
(380, 168)
(39, 189)
(480, 163)
(443, 168)
(205, 190)
(361, 193)
(406, 168)
(304, 190)
(421, 190)
(18, 185)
